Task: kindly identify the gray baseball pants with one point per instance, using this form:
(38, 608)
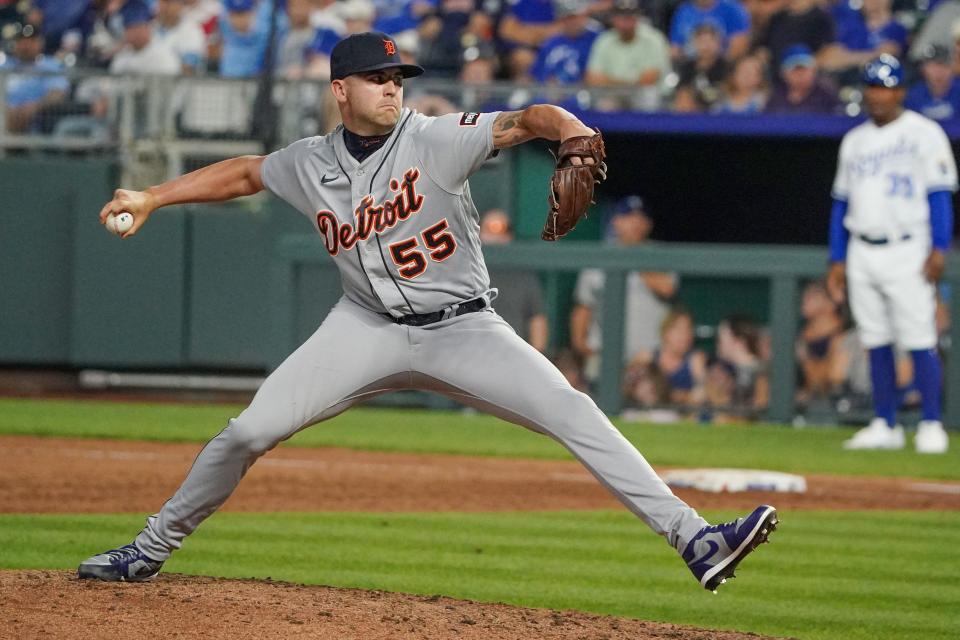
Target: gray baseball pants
(476, 358)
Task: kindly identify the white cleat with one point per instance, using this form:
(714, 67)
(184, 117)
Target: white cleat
(877, 435)
(931, 437)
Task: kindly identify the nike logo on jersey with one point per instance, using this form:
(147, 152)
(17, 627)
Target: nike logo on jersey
(325, 179)
(370, 216)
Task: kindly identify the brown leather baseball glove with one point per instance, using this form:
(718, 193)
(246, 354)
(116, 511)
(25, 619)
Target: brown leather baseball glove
(571, 186)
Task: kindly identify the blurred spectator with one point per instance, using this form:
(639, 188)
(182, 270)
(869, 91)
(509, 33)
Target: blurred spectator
(728, 16)
(358, 16)
(820, 338)
(700, 78)
(33, 84)
(739, 346)
(630, 54)
(760, 12)
(525, 25)
(719, 388)
(244, 31)
(745, 90)
(863, 35)
(393, 17)
(801, 92)
(676, 372)
(799, 22)
(562, 58)
(480, 64)
(185, 37)
(520, 303)
(142, 52)
(938, 28)
(937, 95)
(646, 297)
(204, 13)
(455, 26)
(571, 366)
(326, 15)
(58, 17)
(292, 53)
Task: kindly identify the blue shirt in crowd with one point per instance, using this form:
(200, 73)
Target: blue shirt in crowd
(728, 16)
(243, 52)
(946, 108)
(854, 34)
(564, 59)
(395, 16)
(323, 41)
(62, 15)
(532, 11)
(24, 89)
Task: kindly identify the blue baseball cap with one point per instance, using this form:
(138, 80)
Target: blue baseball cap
(135, 12)
(884, 71)
(799, 55)
(628, 204)
(239, 5)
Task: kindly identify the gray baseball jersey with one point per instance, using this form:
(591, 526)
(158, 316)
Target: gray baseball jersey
(405, 235)
(400, 225)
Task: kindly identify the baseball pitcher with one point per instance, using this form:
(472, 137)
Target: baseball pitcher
(387, 193)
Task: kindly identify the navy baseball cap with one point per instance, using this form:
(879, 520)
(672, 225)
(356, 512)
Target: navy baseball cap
(239, 5)
(628, 204)
(135, 12)
(884, 71)
(370, 51)
(799, 55)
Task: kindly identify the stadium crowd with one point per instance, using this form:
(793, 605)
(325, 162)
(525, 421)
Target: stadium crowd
(727, 56)
(676, 367)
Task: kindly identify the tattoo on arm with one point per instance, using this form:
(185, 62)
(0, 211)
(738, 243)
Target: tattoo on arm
(508, 131)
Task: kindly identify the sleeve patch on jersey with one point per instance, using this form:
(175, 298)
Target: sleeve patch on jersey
(469, 119)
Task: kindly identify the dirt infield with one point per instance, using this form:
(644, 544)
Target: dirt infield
(54, 475)
(55, 604)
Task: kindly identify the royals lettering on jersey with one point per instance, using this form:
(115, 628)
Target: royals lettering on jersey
(885, 174)
(400, 225)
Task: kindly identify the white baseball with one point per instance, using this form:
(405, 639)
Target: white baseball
(119, 224)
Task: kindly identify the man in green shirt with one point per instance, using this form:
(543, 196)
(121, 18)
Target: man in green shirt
(630, 54)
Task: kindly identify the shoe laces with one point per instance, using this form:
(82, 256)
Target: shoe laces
(126, 553)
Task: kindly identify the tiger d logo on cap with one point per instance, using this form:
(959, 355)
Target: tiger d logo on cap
(370, 51)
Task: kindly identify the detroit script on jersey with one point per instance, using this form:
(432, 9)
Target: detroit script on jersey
(370, 216)
(400, 225)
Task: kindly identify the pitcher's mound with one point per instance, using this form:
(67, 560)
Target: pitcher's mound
(55, 604)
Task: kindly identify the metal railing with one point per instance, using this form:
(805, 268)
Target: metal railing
(161, 126)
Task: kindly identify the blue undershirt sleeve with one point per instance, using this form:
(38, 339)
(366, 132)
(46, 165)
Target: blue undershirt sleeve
(839, 235)
(941, 218)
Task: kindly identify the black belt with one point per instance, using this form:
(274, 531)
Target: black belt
(421, 319)
(883, 240)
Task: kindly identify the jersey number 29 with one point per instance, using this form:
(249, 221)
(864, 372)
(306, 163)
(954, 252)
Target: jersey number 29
(411, 259)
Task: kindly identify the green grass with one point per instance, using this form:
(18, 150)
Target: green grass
(827, 575)
(812, 450)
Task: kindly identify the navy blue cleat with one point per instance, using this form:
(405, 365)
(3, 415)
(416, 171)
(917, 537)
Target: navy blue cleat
(715, 551)
(126, 564)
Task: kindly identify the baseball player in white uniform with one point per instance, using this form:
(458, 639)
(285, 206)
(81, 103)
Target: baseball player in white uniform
(892, 222)
(388, 194)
